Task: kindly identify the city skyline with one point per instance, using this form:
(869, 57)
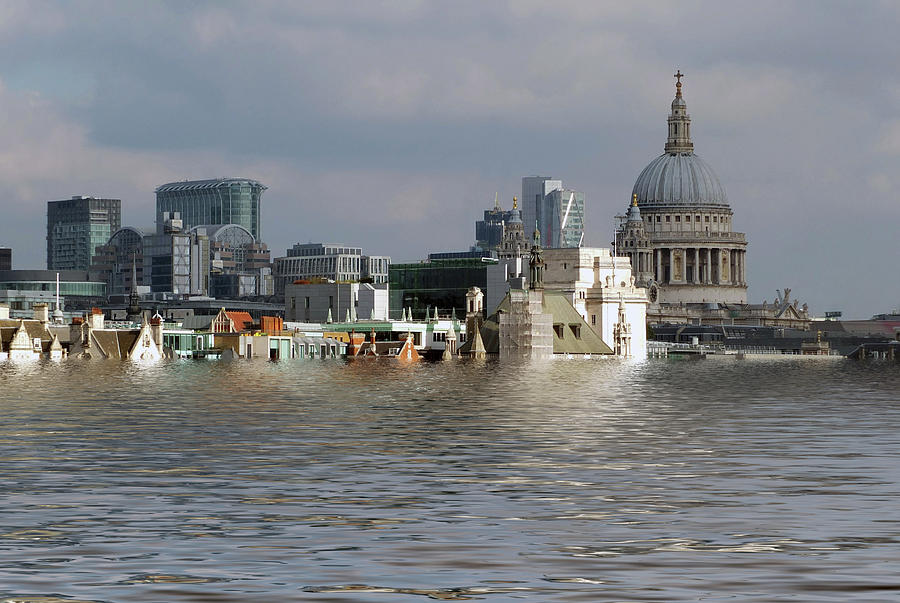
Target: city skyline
(360, 139)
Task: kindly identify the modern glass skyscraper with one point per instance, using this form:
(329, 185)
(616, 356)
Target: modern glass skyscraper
(76, 227)
(556, 210)
(219, 201)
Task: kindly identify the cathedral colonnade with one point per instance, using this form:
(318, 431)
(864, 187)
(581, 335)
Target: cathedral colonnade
(712, 265)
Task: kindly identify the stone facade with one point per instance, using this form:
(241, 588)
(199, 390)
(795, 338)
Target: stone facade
(602, 289)
(678, 231)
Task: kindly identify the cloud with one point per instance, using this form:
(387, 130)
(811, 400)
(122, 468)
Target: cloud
(391, 124)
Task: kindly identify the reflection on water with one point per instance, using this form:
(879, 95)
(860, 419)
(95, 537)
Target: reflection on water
(566, 481)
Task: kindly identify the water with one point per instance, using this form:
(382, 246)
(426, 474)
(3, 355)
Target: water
(575, 480)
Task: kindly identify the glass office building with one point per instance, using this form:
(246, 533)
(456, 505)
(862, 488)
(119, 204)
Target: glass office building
(219, 201)
(76, 227)
(422, 286)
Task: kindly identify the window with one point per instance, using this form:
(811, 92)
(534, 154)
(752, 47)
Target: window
(678, 218)
(687, 218)
(668, 219)
(707, 218)
(715, 218)
(558, 329)
(657, 218)
(593, 320)
(576, 330)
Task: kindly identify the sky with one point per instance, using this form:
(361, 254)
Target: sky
(391, 125)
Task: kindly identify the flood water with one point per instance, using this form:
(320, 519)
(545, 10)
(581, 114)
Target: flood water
(572, 480)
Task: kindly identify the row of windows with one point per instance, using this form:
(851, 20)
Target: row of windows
(687, 218)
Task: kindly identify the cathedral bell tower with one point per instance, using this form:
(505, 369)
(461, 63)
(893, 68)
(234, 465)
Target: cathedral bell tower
(679, 140)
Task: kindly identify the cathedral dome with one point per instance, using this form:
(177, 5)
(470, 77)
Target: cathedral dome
(679, 179)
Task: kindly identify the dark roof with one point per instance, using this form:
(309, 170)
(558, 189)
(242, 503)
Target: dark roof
(115, 344)
(197, 323)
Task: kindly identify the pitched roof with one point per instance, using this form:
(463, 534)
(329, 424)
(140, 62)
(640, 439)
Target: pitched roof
(34, 328)
(197, 323)
(117, 343)
(571, 334)
(242, 320)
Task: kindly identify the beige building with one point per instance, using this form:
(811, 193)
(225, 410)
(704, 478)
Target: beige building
(678, 231)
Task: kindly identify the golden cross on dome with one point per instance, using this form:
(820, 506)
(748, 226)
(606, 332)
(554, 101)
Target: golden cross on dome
(678, 76)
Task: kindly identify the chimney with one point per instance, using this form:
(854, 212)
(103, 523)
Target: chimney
(156, 331)
(41, 313)
(95, 320)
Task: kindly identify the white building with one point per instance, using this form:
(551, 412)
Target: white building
(335, 302)
(598, 284)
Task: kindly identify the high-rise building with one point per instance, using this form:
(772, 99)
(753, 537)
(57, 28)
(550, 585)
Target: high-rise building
(560, 218)
(5, 258)
(176, 262)
(489, 231)
(556, 211)
(218, 201)
(534, 189)
(76, 227)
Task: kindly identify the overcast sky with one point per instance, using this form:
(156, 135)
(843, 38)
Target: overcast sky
(390, 125)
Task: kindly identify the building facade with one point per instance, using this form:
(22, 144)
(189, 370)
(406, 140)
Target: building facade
(5, 258)
(489, 231)
(335, 302)
(678, 231)
(120, 261)
(176, 262)
(556, 211)
(76, 227)
(217, 201)
(421, 287)
(329, 261)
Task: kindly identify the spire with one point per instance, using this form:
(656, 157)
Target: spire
(679, 140)
(536, 264)
(496, 202)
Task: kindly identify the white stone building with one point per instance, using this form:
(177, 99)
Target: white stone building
(599, 285)
(335, 302)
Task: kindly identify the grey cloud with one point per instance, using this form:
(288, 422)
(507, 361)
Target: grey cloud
(419, 111)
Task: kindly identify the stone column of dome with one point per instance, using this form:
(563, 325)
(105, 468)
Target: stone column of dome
(671, 265)
(697, 265)
(658, 253)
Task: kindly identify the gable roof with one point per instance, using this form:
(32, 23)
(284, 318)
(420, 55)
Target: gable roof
(574, 337)
(34, 328)
(115, 344)
(242, 320)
